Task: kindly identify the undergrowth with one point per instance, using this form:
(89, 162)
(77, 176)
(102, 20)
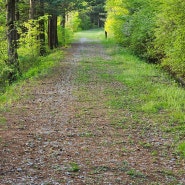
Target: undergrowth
(42, 66)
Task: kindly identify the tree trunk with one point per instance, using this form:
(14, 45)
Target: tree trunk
(17, 18)
(63, 24)
(52, 32)
(42, 30)
(55, 31)
(32, 9)
(12, 61)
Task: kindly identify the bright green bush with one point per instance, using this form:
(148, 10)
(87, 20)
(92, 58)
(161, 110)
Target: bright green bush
(152, 29)
(74, 21)
(116, 18)
(140, 27)
(3, 53)
(170, 36)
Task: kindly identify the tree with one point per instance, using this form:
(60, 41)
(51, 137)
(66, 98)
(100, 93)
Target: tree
(170, 36)
(41, 28)
(12, 60)
(96, 7)
(32, 9)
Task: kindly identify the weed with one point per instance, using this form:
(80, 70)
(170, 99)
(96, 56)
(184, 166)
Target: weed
(100, 169)
(167, 172)
(145, 144)
(181, 148)
(86, 134)
(74, 167)
(154, 153)
(125, 166)
(135, 173)
(3, 121)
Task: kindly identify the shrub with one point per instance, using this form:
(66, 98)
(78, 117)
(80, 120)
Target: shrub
(170, 36)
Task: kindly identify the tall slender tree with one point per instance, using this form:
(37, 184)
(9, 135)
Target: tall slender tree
(42, 28)
(32, 9)
(12, 61)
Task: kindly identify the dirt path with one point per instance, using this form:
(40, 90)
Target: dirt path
(64, 134)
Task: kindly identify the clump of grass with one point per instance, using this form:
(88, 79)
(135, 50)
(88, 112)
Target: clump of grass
(181, 148)
(135, 173)
(74, 167)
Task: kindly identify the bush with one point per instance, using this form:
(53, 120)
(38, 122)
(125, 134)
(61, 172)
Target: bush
(116, 18)
(170, 36)
(152, 29)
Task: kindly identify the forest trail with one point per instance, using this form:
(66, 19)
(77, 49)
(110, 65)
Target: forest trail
(65, 132)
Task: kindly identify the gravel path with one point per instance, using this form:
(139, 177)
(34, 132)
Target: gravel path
(60, 135)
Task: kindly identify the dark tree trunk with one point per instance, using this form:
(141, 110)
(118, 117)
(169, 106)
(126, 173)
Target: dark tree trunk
(12, 61)
(55, 31)
(63, 24)
(17, 18)
(32, 9)
(52, 32)
(42, 30)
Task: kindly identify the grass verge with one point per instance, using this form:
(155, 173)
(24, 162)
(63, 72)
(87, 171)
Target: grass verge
(43, 67)
(149, 97)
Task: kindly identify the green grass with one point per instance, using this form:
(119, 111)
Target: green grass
(42, 67)
(181, 148)
(148, 87)
(144, 92)
(94, 34)
(74, 167)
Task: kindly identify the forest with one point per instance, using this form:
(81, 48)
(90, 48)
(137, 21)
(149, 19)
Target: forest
(153, 30)
(30, 29)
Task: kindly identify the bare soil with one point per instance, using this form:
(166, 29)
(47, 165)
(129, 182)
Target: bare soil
(63, 133)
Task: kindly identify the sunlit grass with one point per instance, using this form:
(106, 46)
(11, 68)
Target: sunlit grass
(94, 34)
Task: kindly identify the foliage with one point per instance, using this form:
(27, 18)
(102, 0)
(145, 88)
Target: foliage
(181, 148)
(29, 45)
(170, 36)
(85, 22)
(68, 36)
(116, 18)
(4, 69)
(139, 27)
(154, 30)
(73, 21)
(30, 31)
